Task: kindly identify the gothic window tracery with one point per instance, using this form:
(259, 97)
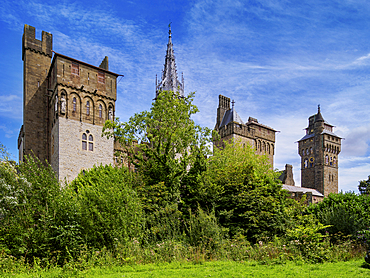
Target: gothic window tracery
(87, 141)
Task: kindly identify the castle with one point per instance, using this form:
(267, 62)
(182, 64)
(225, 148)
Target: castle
(66, 103)
(319, 150)
(229, 125)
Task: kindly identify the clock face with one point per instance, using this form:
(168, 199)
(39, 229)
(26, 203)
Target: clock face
(312, 159)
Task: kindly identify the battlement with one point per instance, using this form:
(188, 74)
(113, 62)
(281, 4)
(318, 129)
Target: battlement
(224, 102)
(29, 41)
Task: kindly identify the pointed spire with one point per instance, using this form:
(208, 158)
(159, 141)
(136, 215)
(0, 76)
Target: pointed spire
(170, 81)
(319, 117)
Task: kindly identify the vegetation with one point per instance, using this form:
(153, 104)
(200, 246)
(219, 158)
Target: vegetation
(179, 206)
(364, 186)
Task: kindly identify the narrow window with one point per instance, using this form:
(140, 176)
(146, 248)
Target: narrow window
(74, 102)
(100, 111)
(101, 77)
(75, 69)
(84, 142)
(87, 108)
(91, 144)
(88, 78)
(63, 70)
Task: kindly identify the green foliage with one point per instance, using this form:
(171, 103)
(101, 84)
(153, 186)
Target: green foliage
(364, 186)
(244, 191)
(203, 230)
(110, 210)
(168, 141)
(4, 153)
(346, 213)
(27, 200)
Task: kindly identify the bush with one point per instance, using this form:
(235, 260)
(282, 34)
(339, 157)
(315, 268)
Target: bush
(110, 210)
(244, 192)
(346, 213)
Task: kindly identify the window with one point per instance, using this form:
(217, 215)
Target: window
(326, 159)
(75, 69)
(306, 163)
(74, 102)
(87, 108)
(100, 111)
(84, 142)
(87, 143)
(101, 77)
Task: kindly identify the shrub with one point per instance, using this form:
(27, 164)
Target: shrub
(110, 210)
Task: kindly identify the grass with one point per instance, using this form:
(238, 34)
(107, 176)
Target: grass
(352, 268)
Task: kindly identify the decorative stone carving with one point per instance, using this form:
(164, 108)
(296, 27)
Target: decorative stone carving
(63, 105)
(56, 103)
(110, 114)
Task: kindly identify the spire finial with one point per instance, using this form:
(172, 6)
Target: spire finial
(233, 102)
(318, 109)
(169, 28)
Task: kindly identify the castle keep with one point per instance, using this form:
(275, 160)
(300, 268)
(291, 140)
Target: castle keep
(230, 126)
(319, 150)
(65, 105)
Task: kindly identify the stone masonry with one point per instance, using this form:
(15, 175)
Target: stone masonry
(66, 103)
(229, 125)
(319, 150)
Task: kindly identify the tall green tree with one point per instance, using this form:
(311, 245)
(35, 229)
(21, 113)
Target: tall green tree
(244, 191)
(163, 143)
(364, 186)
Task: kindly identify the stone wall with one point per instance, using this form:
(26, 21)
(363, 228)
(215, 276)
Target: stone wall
(72, 157)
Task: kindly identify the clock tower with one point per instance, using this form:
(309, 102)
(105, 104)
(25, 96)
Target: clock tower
(319, 150)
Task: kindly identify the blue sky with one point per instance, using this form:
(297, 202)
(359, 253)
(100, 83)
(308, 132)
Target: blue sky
(277, 59)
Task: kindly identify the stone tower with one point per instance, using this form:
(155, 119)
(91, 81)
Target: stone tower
(230, 126)
(170, 81)
(36, 56)
(319, 150)
(66, 103)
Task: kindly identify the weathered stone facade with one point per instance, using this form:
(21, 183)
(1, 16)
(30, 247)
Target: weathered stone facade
(66, 103)
(319, 150)
(230, 126)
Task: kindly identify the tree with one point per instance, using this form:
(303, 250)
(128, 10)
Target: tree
(163, 143)
(364, 186)
(244, 191)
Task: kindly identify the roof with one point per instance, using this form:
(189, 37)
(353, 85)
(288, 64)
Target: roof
(230, 116)
(307, 136)
(330, 133)
(80, 62)
(291, 188)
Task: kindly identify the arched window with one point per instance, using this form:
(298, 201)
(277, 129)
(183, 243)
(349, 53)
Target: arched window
(264, 146)
(268, 148)
(100, 111)
(335, 161)
(307, 152)
(326, 159)
(306, 163)
(91, 143)
(87, 141)
(331, 161)
(259, 145)
(303, 152)
(311, 150)
(87, 108)
(84, 142)
(74, 102)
